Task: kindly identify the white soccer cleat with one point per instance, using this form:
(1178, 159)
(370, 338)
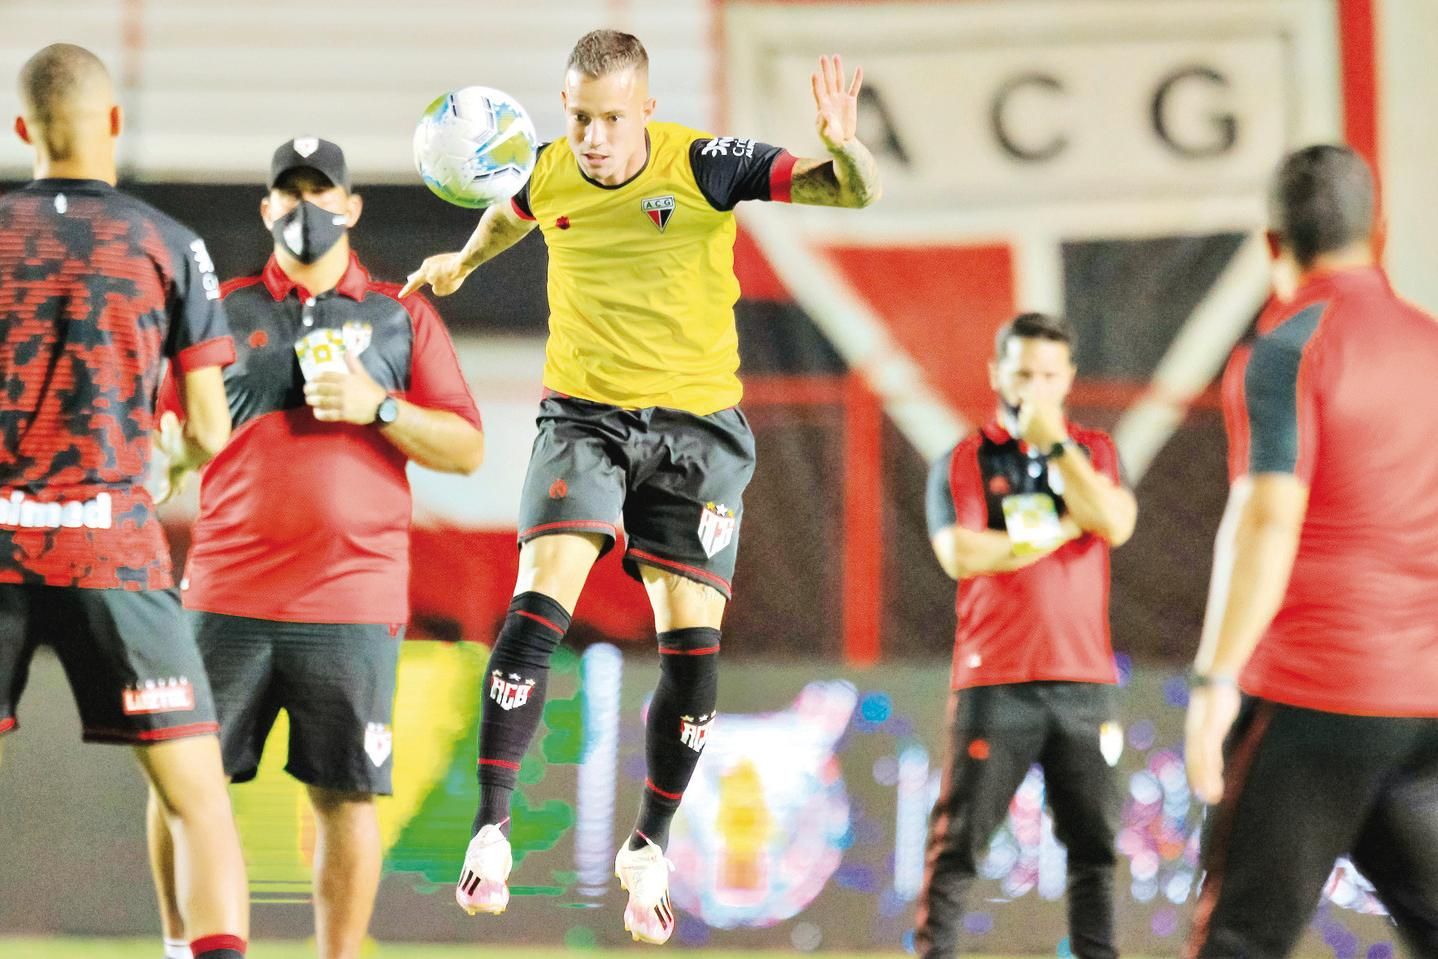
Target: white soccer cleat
(484, 881)
(644, 873)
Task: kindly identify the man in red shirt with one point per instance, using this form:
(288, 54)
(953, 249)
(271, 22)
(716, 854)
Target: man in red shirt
(1023, 514)
(299, 570)
(98, 293)
(1323, 608)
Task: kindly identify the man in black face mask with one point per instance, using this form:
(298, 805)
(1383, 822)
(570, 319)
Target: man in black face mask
(310, 209)
(298, 573)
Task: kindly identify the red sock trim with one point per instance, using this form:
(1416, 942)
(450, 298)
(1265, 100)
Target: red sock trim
(675, 796)
(541, 620)
(498, 762)
(210, 943)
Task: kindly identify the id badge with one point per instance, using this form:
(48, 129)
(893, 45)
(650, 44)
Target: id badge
(1032, 520)
(321, 351)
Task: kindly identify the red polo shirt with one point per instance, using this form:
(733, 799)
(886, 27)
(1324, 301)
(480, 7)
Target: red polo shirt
(1338, 390)
(1047, 621)
(304, 521)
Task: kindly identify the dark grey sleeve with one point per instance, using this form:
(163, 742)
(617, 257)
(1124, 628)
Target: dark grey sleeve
(1272, 395)
(199, 333)
(939, 500)
(730, 170)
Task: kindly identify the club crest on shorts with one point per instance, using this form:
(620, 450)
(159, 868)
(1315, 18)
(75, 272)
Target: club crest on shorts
(659, 209)
(378, 742)
(716, 528)
(693, 732)
(1110, 742)
(509, 693)
(357, 336)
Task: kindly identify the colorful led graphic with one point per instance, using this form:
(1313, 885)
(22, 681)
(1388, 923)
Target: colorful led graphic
(770, 834)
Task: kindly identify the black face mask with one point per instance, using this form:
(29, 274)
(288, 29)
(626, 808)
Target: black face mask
(308, 232)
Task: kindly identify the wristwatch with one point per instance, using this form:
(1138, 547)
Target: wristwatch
(1197, 680)
(1059, 449)
(387, 411)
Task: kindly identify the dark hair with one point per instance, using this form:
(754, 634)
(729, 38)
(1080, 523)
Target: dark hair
(1033, 326)
(1321, 200)
(53, 84)
(303, 178)
(51, 77)
(602, 52)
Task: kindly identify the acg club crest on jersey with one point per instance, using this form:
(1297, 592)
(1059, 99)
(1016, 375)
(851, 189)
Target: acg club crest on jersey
(659, 209)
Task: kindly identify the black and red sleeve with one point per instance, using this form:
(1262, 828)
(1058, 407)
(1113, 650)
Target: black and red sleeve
(199, 333)
(436, 380)
(955, 495)
(1269, 401)
(730, 170)
(939, 497)
(520, 201)
(1103, 455)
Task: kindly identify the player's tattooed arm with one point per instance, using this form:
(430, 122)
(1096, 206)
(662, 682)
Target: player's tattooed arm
(499, 229)
(850, 177)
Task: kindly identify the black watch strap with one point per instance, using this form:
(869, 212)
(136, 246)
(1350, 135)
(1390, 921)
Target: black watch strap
(387, 411)
(1197, 680)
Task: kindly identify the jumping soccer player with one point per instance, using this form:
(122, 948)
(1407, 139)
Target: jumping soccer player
(640, 420)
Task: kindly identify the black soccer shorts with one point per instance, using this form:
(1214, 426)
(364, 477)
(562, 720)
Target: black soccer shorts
(675, 479)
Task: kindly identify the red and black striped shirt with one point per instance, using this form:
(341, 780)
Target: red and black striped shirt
(97, 290)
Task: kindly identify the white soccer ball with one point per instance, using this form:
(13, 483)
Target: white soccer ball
(475, 146)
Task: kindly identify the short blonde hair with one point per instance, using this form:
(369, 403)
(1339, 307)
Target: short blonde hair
(602, 52)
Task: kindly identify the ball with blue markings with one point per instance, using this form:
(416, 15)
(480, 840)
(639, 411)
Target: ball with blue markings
(475, 146)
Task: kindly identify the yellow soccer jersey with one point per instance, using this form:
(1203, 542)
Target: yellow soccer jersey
(641, 275)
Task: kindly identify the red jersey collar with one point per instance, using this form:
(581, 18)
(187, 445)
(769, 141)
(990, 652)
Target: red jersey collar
(352, 284)
(1357, 276)
(995, 431)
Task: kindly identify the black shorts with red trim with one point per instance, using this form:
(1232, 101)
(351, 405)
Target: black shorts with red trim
(674, 479)
(129, 655)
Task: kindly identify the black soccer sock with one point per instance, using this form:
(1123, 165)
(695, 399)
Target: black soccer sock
(218, 947)
(679, 718)
(514, 698)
